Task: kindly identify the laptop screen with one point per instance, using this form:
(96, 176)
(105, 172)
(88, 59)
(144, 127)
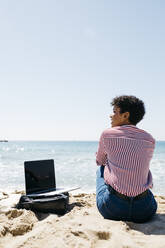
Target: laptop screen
(39, 176)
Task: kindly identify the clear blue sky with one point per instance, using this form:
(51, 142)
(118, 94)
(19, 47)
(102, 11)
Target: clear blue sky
(62, 62)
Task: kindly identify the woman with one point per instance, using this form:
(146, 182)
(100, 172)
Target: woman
(123, 179)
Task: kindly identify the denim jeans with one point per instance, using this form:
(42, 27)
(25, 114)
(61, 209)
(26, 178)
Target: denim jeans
(113, 207)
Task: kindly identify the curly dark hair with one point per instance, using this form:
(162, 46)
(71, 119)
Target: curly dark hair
(130, 104)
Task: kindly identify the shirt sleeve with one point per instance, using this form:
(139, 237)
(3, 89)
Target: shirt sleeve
(101, 155)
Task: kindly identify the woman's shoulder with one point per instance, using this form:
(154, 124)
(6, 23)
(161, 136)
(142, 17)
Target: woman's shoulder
(113, 132)
(128, 131)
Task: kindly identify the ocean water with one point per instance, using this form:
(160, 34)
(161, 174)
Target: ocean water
(74, 163)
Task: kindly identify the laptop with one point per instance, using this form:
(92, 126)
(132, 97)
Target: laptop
(40, 179)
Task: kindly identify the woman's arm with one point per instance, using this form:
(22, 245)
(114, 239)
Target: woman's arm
(101, 155)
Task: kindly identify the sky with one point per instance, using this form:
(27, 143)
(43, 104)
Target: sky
(62, 62)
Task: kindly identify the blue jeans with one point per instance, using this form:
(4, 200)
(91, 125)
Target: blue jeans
(113, 207)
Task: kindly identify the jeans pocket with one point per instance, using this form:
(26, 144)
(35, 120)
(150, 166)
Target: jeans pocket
(111, 205)
(144, 209)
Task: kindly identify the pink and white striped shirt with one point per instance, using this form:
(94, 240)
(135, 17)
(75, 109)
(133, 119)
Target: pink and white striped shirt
(126, 152)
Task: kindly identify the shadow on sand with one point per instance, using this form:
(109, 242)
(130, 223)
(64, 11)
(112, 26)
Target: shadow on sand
(156, 226)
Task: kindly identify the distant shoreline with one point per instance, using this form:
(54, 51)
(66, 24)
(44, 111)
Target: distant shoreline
(60, 141)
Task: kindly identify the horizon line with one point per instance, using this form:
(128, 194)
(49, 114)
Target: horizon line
(58, 140)
(8, 140)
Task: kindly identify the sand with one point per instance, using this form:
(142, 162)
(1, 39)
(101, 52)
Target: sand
(81, 226)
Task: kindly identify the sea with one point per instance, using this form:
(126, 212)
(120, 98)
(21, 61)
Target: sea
(75, 164)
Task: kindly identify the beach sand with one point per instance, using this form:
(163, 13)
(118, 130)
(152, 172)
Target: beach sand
(81, 226)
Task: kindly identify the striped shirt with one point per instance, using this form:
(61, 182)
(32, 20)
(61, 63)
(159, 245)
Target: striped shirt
(126, 152)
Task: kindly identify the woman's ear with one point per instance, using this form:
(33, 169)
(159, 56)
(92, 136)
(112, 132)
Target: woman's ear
(126, 115)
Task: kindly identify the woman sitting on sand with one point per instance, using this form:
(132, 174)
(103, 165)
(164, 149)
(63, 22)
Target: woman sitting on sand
(124, 154)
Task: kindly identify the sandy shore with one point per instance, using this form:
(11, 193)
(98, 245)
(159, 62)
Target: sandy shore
(81, 226)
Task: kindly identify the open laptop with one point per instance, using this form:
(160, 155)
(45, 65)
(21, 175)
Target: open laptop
(40, 179)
